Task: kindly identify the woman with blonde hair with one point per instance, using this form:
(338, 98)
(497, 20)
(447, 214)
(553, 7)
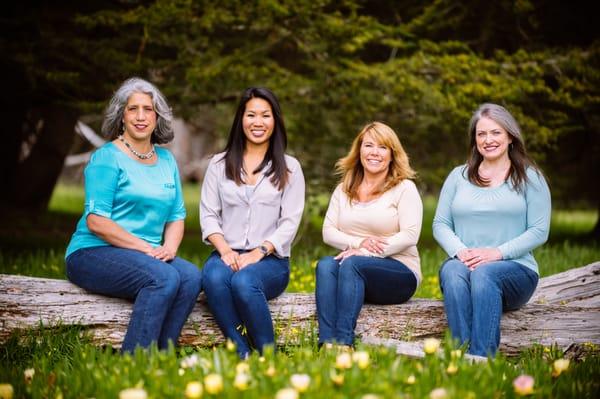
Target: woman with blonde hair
(374, 218)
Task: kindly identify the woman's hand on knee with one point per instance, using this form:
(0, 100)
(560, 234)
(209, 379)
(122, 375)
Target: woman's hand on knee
(163, 253)
(251, 257)
(231, 259)
(342, 256)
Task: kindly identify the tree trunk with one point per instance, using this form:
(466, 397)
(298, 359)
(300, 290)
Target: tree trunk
(564, 310)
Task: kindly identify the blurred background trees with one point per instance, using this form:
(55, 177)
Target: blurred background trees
(420, 66)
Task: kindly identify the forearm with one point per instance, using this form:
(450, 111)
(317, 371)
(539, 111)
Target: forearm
(218, 241)
(114, 234)
(173, 235)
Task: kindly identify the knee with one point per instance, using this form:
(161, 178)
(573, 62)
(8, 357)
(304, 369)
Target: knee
(483, 279)
(169, 281)
(215, 274)
(243, 283)
(453, 272)
(191, 277)
(326, 267)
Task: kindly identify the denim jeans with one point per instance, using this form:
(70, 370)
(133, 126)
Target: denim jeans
(343, 288)
(238, 300)
(164, 293)
(474, 300)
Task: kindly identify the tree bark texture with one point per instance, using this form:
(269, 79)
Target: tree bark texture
(564, 310)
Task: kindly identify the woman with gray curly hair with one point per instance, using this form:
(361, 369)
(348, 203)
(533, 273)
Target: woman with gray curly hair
(126, 242)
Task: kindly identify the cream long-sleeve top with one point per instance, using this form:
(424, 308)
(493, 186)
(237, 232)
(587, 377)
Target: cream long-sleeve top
(397, 215)
(248, 215)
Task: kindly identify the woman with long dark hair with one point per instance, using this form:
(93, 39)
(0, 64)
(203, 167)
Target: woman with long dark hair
(492, 212)
(251, 205)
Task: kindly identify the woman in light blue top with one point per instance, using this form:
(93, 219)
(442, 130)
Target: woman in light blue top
(250, 209)
(492, 212)
(126, 242)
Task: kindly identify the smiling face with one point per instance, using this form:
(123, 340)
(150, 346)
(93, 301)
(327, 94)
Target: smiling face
(375, 157)
(258, 122)
(492, 140)
(139, 117)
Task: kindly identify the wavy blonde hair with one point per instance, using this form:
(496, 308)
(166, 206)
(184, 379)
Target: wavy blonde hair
(351, 170)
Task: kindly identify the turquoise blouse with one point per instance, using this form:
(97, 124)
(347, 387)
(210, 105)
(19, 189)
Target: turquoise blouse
(140, 198)
(469, 216)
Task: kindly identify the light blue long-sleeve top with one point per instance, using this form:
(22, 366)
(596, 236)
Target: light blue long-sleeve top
(141, 198)
(469, 216)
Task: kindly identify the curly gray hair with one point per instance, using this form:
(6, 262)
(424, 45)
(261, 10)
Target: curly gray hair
(112, 125)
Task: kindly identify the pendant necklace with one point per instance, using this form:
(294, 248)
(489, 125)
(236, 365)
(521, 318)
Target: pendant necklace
(145, 156)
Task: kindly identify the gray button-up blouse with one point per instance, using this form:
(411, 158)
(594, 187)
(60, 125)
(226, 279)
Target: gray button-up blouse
(246, 218)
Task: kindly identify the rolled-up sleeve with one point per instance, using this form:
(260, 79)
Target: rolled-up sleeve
(210, 203)
(101, 182)
(292, 207)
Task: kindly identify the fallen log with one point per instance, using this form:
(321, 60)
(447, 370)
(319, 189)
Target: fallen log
(564, 310)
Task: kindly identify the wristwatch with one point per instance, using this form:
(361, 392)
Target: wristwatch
(263, 250)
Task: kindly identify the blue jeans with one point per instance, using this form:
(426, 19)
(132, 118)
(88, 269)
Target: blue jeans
(474, 300)
(343, 288)
(239, 299)
(164, 293)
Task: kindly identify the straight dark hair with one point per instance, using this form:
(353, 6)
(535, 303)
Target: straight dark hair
(519, 159)
(236, 143)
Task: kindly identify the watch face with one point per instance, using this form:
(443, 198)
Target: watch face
(263, 249)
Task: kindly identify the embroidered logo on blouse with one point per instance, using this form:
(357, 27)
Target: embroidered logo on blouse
(169, 185)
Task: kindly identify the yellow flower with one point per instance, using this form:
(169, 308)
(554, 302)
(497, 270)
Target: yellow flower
(6, 391)
(438, 393)
(286, 393)
(28, 375)
(133, 393)
(242, 367)
(361, 359)
(411, 379)
(300, 382)
(213, 383)
(230, 345)
(181, 372)
(193, 390)
(560, 365)
(451, 369)
(523, 385)
(270, 372)
(343, 361)
(456, 354)
(431, 345)
(370, 396)
(241, 381)
(337, 379)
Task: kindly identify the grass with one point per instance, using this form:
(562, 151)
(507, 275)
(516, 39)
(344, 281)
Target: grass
(67, 365)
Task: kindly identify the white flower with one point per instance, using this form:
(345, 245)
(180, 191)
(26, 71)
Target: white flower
(28, 375)
(133, 393)
(438, 393)
(189, 362)
(300, 382)
(286, 393)
(343, 361)
(241, 381)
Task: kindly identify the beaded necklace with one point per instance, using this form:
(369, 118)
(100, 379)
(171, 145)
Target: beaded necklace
(147, 155)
